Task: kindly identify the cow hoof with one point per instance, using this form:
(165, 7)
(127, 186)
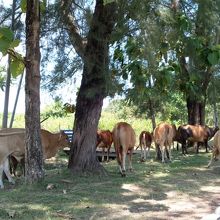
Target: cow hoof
(123, 173)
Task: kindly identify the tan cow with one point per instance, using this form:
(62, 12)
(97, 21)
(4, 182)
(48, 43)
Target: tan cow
(124, 140)
(216, 148)
(13, 144)
(164, 135)
(9, 143)
(104, 141)
(145, 140)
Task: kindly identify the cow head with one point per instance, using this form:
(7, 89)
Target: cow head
(63, 140)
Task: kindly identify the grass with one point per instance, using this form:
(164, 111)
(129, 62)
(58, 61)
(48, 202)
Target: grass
(145, 193)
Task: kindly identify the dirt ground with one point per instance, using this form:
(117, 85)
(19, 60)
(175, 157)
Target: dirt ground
(168, 204)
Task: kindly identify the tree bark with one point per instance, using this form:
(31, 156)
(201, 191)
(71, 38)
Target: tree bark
(92, 91)
(152, 114)
(33, 153)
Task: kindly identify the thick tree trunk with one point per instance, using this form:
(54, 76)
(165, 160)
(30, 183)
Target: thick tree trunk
(196, 112)
(92, 91)
(83, 152)
(33, 153)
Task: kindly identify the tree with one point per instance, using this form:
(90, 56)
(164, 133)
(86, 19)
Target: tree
(93, 89)
(33, 153)
(194, 41)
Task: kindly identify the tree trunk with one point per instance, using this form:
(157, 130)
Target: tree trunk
(152, 114)
(33, 153)
(215, 114)
(92, 91)
(196, 112)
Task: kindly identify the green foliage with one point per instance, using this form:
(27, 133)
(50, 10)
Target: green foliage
(7, 45)
(56, 110)
(2, 78)
(23, 5)
(6, 39)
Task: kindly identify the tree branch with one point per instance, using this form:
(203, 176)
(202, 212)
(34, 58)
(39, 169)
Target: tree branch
(72, 28)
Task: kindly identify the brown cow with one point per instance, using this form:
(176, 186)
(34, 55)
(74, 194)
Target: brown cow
(145, 140)
(124, 140)
(164, 135)
(104, 141)
(14, 143)
(195, 133)
(216, 148)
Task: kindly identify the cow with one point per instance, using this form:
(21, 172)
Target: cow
(124, 139)
(145, 140)
(164, 135)
(195, 133)
(216, 148)
(104, 141)
(13, 143)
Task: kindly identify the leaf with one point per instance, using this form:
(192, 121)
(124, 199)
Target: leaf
(16, 67)
(15, 43)
(6, 33)
(4, 45)
(213, 58)
(43, 5)
(23, 6)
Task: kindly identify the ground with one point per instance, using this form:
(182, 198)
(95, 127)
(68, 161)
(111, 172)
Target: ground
(184, 189)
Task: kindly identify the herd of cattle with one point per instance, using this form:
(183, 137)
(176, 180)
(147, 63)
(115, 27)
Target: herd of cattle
(12, 143)
(163, 136)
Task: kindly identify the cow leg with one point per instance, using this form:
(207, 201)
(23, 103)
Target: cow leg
(1, 176)
(158, 152)
(119, 158)
(148, 151)
(169, 151)
(184, 148)
(215, 152)
(197, 147)
(145, 153)
(141, 152)
(123, 170)
(103, 154)
(206, 146)
(108, 150)
(7, 171)
(130, 160)
(211, 161)
(163, 151)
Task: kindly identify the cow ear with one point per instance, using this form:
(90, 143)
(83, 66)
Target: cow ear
(61, 134)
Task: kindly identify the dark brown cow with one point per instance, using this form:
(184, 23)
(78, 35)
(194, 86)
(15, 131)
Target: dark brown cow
(145, 140)
(124, 140)
(164, 135)
(195, 133)
(104, 141)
